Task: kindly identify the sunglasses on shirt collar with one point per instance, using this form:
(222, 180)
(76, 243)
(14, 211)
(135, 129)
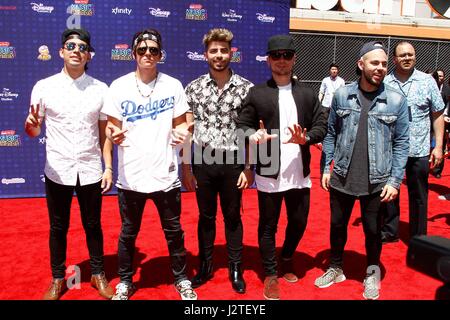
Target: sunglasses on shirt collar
(154, 51)
(72, 45)
(277, 55)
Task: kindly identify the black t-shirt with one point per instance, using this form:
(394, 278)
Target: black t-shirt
(356, 182)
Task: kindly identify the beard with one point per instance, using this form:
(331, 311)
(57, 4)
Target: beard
(372, 81)
(224, 65)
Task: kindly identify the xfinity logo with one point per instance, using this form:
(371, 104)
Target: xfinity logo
(157, 12)
(118, 10)
(261, 58)
(13, 181)
(195, 56)
(39, 7)
(263, 17)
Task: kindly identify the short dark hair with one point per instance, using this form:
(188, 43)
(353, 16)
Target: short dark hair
(394, 53)
(333, 65)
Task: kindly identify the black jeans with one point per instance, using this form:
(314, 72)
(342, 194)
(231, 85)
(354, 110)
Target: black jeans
(341, 205)
(417, 180)
(213, 180)
(168, 204)
(59, 200)
(297, 209)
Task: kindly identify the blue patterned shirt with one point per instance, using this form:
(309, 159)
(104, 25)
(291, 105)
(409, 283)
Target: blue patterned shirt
(423, 98)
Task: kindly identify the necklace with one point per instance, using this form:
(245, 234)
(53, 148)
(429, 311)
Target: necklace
(137, 85)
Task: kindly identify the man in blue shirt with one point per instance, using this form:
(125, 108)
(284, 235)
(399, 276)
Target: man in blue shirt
(368, 141)
(425, 105)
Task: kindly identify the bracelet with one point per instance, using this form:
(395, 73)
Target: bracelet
(109, 168)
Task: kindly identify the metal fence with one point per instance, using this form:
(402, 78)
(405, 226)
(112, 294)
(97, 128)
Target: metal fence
(316, 51)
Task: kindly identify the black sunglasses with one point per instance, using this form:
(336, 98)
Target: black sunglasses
(72, 45)
(287, 55)
(143, 50)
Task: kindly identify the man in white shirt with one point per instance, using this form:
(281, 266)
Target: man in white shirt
(329, 85)
(70, 104)
(146, 118)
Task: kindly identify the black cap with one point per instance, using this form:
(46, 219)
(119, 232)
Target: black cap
(82, 34)
(280, 42)
(370, 46)
(147, 34)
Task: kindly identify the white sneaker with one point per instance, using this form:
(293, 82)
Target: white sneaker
(184, 288)
(331, 276)
(371, 287)
(123, 291)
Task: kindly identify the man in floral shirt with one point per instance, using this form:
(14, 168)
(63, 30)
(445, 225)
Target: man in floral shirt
(218, 168)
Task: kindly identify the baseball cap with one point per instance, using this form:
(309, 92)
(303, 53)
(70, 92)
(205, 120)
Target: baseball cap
(280, 42)
(82, 35)
(370, 46)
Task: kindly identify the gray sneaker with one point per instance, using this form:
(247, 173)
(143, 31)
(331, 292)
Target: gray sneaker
(184, 288)
(123, 291)
(371, 287)
(332, 275)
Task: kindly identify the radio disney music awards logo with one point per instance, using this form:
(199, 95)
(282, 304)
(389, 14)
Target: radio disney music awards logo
(7, 95)
(236, 55)
(6, 51)
(44, 53)
(195, 56)
(118, 10)
(121, 52)
(196, 12)
(81, 8)
(263, 17)
(9, 138)
(232, 16)
(40, 8)
(158, 13)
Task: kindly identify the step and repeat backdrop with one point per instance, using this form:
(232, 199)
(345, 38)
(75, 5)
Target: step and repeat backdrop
(30, 34)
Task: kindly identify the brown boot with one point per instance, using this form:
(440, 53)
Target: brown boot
(55, 290)
(271, 288)
(287, 270)
(99, 282)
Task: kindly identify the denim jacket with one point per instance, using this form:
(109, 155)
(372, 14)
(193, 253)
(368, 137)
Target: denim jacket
(388, 134)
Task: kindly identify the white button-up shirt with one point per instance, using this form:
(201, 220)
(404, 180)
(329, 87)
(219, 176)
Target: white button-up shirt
(71, 110)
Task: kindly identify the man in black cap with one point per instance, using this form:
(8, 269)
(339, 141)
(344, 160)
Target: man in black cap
(368, 139)
(288, 118)
(70, 103)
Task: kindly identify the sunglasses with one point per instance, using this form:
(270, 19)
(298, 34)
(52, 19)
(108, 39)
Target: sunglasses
(72, 45)
(287, 55)
(143, 50)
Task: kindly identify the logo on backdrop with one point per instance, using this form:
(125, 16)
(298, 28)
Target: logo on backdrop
(163, 57)
(39, 7)
(263, 17)
(121, 52)
(9, 138)
(6, 51)
(7, 95)
(13, 181)
(236, 55)
(232, 16)
(196, 12)
(8, 8)
(158, 13)
(118, 10)
(81, 8)
(42, 140)
(44, 53)
(195, 56)
(261, 58)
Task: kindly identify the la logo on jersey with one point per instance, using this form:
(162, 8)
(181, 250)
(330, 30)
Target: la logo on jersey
(441, 7)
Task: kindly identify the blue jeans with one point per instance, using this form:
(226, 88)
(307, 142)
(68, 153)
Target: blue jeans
(131, 206)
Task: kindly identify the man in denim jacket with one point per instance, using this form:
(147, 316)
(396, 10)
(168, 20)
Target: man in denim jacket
(368, 139)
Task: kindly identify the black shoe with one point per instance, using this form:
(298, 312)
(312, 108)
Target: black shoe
(204, 274)
(235, 275)
(389, 239)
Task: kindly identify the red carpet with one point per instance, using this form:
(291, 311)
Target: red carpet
(25, 266)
